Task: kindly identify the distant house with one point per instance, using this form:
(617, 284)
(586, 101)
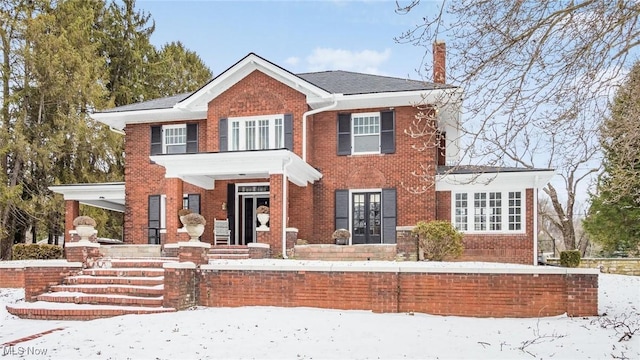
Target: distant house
(323, 150)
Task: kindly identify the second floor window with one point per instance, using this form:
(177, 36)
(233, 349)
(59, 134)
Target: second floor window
(175, 139)
(256, 133)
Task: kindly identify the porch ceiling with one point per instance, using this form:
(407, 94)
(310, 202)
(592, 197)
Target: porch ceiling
(108, 196)
(203, 169)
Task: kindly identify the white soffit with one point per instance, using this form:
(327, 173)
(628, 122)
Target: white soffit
(109, 196)
(508, 180)
(203, 169)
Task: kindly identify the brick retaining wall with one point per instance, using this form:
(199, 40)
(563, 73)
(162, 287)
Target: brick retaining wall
(345, 252)
(403, 287)
(11, 275)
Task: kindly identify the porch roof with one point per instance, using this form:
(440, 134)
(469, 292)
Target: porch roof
(203, 169)
(108, 196)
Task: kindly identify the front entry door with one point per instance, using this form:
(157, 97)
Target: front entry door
(249, 217)
(366, 218)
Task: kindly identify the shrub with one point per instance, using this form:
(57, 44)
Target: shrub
(262, 209)
(570, 258)
(84, 220)
(36, 252)
(438, 240)
(341, 234)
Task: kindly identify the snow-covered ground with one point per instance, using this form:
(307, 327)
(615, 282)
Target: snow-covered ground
(306, 333)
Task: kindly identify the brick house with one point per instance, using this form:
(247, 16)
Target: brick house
(323, 150)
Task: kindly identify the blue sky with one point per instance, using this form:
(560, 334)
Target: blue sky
(300, 36)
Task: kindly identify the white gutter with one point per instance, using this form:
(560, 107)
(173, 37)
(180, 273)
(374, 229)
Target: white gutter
(304, 124)
(117, 131)
(285, 206)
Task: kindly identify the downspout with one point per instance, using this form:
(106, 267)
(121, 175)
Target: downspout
(304, 124)
(285, 206)
(535, 222)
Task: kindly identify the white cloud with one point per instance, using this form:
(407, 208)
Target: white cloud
(293, 60)
(366, 61)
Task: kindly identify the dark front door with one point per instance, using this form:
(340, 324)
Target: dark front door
(366, 218)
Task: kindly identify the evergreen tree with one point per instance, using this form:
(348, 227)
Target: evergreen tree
(614, 216)
(179, 70)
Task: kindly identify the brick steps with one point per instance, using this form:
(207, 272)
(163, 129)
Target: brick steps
(42, 310)
(101, 299)
(113, 287)
(229, 252)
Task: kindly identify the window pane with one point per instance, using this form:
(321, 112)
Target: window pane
(480, 211)
(250, 135)
(375, 227)
(461, 212)
(369, 143)
(175, 140)
(263, 140)
(279, 134)
(359, 221)
(495, 211)
(235, 135)
(515, 210)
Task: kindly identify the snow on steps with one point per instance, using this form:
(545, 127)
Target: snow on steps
(229, 252)
(114, 287)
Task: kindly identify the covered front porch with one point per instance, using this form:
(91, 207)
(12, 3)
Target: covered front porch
(231, 186)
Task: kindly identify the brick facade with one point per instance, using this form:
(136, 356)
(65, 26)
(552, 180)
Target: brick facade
(310, 209)
(11, 277)
(509, 248)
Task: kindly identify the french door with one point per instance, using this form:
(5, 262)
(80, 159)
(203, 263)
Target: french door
(367, 223)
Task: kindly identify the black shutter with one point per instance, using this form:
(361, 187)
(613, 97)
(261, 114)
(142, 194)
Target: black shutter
(344, 134)
(342, 209)
(387, 132)
(154, 219)
(193, 201)
(156, 140)
(223, 140)
(231, 213)
(192, 138)
(389, 213)
(288, 132)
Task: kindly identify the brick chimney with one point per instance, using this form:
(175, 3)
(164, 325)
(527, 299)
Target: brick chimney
(439, 61)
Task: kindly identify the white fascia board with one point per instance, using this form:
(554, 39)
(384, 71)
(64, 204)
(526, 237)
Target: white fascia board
(238, 72)
(119, 120)
(440, 97)
(111, 192)
(107, 205)
(497, 180)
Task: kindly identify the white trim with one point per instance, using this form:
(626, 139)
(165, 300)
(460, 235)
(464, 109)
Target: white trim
(504, 198)
(202, 169)
(514, 180)
(535, 226)
(253, 194)
(110, 196)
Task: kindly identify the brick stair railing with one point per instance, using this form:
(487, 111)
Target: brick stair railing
(229, 252)
(113, 287)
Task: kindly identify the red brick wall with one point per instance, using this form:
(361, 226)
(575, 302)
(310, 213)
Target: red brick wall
(457, 294)
(180, 286)
(506, 248)
(368, 171)
(38, 280)
(11, 277)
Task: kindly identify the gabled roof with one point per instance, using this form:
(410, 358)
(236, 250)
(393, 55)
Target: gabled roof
(349, 89)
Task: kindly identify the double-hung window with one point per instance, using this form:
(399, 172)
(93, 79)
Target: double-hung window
(485, 211)
(256, 133)
(366, 133)
(174, 139)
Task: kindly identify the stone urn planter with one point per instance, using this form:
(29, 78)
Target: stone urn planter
(341, 236)
(263, 217)
(194, 224)
(85, 227)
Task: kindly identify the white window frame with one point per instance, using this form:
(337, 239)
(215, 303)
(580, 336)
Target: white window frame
(354, 136)
(164, 137)
(487, 214)
(275, 137)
